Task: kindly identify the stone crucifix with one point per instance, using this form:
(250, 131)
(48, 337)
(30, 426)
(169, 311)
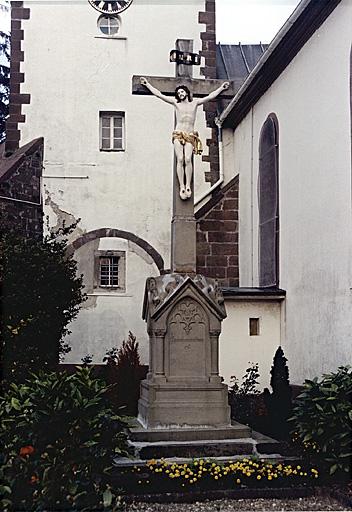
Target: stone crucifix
(183, 224)
(186, 141)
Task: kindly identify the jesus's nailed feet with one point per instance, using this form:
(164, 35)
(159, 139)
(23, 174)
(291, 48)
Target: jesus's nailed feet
(188, 192)
(183, 194)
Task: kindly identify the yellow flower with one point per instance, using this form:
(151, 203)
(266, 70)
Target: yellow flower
(216, 477)
(259, 477)
(238, 481)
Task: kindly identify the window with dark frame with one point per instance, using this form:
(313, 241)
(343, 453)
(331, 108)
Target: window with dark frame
(110, 271)
(112, 131)
(268, 199)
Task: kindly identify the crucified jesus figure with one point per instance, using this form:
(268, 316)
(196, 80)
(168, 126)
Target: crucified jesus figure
(185, 140)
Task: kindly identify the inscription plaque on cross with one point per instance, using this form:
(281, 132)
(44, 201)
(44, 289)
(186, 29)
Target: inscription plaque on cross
(177, 91)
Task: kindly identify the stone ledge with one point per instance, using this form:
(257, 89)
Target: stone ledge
(242, 293)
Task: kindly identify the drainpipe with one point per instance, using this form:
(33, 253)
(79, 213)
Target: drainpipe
(221, 166)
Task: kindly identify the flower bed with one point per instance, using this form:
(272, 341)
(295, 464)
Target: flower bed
(207, 475)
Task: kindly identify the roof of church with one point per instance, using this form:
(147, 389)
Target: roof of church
(308, 16)
(236, 61)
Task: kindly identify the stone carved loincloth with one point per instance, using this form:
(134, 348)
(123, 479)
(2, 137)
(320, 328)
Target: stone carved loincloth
(191, 138)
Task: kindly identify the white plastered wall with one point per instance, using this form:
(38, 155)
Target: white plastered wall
(238, 349)
(72, 73)
(311, 100)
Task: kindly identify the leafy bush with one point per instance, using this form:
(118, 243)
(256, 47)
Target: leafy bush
(59, 436)
(279, 402)
(322, 419)
(244, 399)
(41, 294)
(125, 372)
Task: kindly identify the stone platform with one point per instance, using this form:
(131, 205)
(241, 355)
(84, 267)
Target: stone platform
(227, 442)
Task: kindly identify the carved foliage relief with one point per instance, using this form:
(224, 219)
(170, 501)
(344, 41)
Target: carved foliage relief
(187, 340)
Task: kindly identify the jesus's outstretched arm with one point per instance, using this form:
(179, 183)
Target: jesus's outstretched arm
(213, 94)
(156, 91)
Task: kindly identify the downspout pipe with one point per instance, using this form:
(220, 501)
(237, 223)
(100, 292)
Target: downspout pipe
(221, 166)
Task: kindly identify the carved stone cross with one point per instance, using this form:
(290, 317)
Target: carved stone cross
(183, 224)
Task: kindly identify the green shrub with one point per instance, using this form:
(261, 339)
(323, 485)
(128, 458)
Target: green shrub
(40, 294)
(125, 372)
(59, 437)
(244, 398)
(322, 419)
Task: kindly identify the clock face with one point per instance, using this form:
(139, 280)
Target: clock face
(110, 7)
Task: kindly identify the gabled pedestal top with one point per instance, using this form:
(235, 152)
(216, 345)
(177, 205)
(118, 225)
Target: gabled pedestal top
(162, 290)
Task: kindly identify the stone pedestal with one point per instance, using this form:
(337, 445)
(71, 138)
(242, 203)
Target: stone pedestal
(183, 387)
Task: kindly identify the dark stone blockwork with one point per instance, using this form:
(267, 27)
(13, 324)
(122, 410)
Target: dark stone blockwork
(17, 99)
(208, 51)
(217, 236)
(20, 190)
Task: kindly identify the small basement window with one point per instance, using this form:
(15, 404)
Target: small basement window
(254, 327)
(110, 270)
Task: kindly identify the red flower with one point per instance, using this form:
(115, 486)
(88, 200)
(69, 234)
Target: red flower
(34, 479)
(26, 450)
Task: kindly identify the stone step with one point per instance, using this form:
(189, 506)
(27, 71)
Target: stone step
(234, 431)
(194, 449)
(227, 441)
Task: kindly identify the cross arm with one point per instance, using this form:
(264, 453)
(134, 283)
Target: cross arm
(167, 85)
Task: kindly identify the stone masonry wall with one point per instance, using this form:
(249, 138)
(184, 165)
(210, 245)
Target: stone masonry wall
(20, 193)
(217, 236)
(208, 52)
(17, 98)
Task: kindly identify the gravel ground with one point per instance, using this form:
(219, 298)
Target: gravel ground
(307, 504)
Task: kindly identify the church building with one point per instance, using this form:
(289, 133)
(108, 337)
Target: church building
(287, 138)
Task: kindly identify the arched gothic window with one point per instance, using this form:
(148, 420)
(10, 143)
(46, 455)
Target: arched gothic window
(268, 198)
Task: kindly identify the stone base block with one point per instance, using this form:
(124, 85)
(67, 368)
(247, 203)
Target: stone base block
(173, 405)
(152, 435)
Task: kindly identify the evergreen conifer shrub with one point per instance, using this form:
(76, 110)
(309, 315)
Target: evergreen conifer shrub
(279, 402)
